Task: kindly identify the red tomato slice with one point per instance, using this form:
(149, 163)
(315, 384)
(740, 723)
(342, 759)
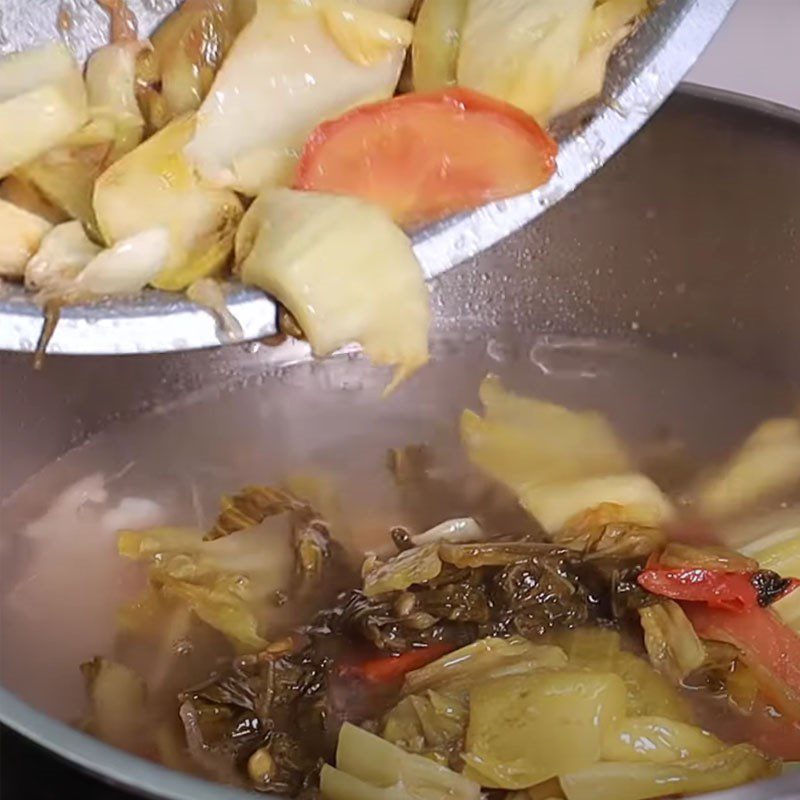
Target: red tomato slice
(424, 156)
(769, 647)
(388, 669)
(731, 590)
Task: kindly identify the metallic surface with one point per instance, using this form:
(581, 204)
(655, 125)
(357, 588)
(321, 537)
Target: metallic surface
(690, 239)
(643, 73)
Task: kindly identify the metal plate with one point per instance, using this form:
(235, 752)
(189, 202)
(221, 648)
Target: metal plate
(643, 73)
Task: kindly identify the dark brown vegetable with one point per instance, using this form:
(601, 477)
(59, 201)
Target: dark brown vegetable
(769, 586)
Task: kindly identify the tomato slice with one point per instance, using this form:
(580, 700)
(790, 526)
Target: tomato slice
(731, 590)
(391, 669)
(424, 156)
(769, 647)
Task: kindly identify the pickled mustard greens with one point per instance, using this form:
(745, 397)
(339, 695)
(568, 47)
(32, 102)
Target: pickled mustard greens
(231, 99)
(567, 661)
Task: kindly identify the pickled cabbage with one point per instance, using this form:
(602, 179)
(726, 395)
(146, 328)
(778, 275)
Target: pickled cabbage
(155, 186)
(674, 648)
(117, 703)
(63, 253)
(125, 268)
(418, 565)
(437, 35)
(638, 781)
(484, 659)
(370, 768)
(42, 102)
(523, 51)
(363, 35)
(188, 50)
(344, 270)
(609, 23)
(768, 462)
(283, 76)
(21, 233)
(111, 88)
(19, 191)
(558, 462)
(225, 582)
(526, 729)
(649, 693)
(657, 740)
(66, 175)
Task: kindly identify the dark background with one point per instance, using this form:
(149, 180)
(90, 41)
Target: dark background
(28, 773)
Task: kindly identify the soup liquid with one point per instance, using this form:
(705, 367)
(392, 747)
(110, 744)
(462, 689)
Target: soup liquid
(62, 580)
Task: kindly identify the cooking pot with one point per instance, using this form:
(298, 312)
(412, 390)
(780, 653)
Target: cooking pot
(688, 242)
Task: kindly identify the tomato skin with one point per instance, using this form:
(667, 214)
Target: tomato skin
(392, 669)
(768, 646)
(728, 590)
(425, 156)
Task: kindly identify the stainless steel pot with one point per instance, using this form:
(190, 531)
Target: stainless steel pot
(689, 241)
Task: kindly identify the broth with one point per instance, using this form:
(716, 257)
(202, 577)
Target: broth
(63, 580)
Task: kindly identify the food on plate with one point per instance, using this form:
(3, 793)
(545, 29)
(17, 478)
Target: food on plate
(230, 100)
(424, 156)
(588, 651)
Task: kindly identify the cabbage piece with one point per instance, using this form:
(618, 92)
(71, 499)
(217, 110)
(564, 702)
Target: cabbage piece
(657, 740)
(649, 693)
(21, 233)
(637, 781)
(225, 582)
(523, 51)
(19, 191)
(524, 442)
(188, 50)
(42, 101)
(431, 723)
(558, 462)
(609, 23)
(117, 704)
(484, 658)
(250, 506)
(125, 268)
(344, 270)
(526, 729)
(370, 768)
(767, 463)
(437, 36)
(72, 269)
(555, 504)
(66, 175)
(418, 565)
(365, 36)
(674, 648)
(111, 89)
(63, 253)
(605, 530)
(284, 75)
(155, 186)
(779, 551)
